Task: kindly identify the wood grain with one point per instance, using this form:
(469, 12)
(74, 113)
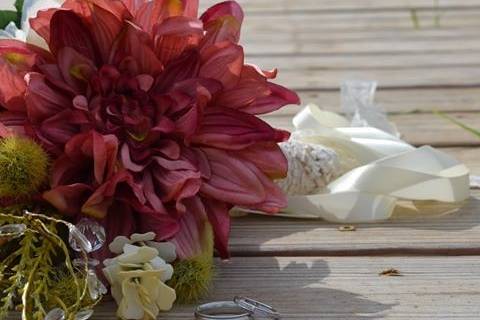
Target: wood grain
(426, 229)
(279, 6)
(347, 288)
(398, 101)
(418, 128)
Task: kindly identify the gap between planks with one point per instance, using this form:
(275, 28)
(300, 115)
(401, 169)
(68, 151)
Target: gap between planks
(436, 229)
(418, 128)
(315, 288)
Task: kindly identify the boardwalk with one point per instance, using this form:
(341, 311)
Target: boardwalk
(310, 270)
(425, 58)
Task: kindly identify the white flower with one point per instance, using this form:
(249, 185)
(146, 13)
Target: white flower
(30, 10)
(137, 277)
(166, 250)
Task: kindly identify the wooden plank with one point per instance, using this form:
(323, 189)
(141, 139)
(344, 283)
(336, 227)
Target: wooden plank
(387, 77)
(418, 128)
(363, 35)
(264, 6)
(347, 288)
(434, 229)
(375, 46)
(348, 61)
(303, 22)
(398, 101)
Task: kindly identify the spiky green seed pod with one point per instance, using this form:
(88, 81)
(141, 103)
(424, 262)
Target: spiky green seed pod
(192, 278)
(23, 167)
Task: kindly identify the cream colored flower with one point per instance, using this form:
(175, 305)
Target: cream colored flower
(137, 278)
(166, 250)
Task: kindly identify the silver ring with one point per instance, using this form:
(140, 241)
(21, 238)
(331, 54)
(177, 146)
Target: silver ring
(257, 308)
(222, 310)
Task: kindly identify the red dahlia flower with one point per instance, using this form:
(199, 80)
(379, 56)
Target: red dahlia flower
(149, 114)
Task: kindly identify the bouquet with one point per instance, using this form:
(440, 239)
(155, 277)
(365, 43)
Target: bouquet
(134, 123)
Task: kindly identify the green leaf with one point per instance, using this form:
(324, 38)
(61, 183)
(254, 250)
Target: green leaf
(459, 123)
(19, 7)
(6, 16)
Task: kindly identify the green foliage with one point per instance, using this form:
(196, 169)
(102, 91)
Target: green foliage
(23, 167)
(192, 277)
(6, 16)
(29, 274)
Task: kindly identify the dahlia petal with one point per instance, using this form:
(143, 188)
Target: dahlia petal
(150, 194)
(68, 199)
(99, 202)
(254, 95)
(268, 157)
(168, 148)
(189, 240)
(105, 148)
(232, 181)
(154, 12)
(106, 27)
(12, 89)
(164, 226)
(183, 68)
(275, 199)
(219, 218)
(41, 23)
(120, 221)
(16, 59)
(223, 62)
(60, 128)
(15, 121)
(177, 185)
(68, 30)
(136, 43)
(222, 22)
(53, 74)
(175, 35)
(231, 129)
(41, 100)
(190, 8)
(127, 160)
(75, 68)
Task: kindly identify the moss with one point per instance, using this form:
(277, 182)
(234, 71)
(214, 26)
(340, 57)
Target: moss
(23, 167)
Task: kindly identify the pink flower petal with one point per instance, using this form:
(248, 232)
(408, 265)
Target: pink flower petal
(230, 129)
(68, 30)
(223, 62)
(222, 23)
(175, 35)
(232, 181)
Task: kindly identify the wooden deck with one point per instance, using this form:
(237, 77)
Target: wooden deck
(310, 270)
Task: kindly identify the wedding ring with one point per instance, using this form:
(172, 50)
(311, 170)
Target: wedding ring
(239, 309)
(222, 310)
(257, 308)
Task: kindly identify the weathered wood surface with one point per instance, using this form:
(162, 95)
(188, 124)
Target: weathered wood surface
(418, 128)
(349, 288)
(300, 266)
(422, 229)
(309, 269)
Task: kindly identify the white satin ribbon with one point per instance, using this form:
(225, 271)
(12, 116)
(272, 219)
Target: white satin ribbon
(392, 170)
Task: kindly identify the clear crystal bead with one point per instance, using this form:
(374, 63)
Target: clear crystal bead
(77, 240)
(12, 230)
(96, 288)
(93, 231)
(55, 314)
(84, 314)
